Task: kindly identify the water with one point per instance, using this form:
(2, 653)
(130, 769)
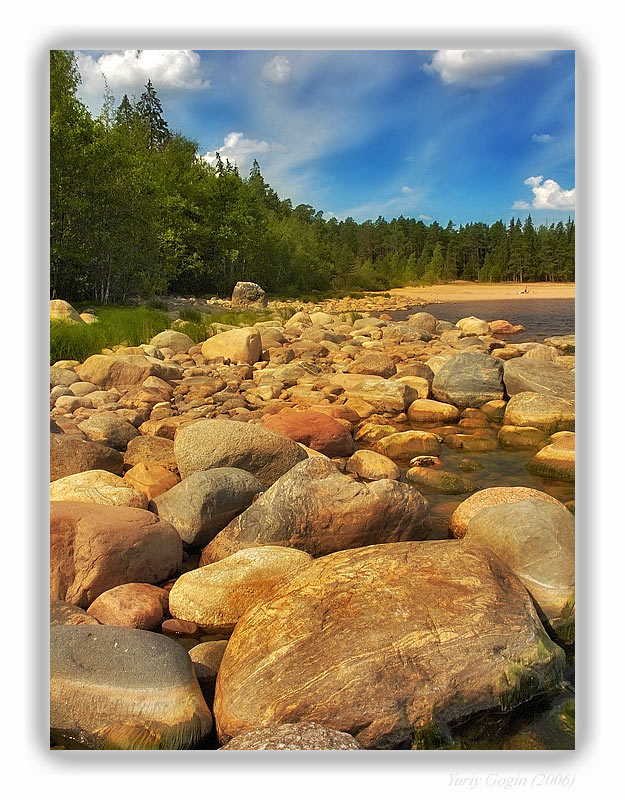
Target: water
(540, 317)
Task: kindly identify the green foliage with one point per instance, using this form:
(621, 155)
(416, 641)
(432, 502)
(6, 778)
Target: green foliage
(135, 211)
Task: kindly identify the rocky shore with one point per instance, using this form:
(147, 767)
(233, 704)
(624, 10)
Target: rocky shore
(241, 549)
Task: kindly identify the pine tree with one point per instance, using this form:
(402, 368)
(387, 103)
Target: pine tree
(125, 114)
(151, 112)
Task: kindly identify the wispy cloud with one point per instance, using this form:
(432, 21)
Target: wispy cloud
(542, 138)
(480, 68)
(548, 196)
(277, 69)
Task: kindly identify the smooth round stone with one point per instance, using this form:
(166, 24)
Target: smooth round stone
(97, 486)
(180, 627)
(131, 605)
(440, 481)
(432, 412)
(372, 466)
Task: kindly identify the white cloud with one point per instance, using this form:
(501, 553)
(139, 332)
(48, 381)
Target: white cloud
(407, 189)
(521, 205)
(131, 69)
(542, 138)
(424, 217)
(534, 181)
(479, 68)
(241, 151)
(548, 196)
(277, 69)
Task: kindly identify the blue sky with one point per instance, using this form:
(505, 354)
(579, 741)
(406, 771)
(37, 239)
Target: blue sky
(467, 135)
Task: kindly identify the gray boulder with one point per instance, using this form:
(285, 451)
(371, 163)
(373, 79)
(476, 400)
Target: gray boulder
(205, 502)
(469, 380)
(296, 736)
(110, 429)
(246, 293)
(539, 376)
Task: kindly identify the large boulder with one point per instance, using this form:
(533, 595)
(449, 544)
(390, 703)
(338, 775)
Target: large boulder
(240, 345)
(302, 736)
(317, 431)
(423, 320)
(65, 312)
(69, 455)
(172, 340)
(540, 376)
(211, 443)
(97, 486)
(246, 293)
(495, 496)
(94, 548)
(473, 326)
(117, 688)
(469, 380)
(217, 595)
(536, 539)
(546, 412)
(557, 459)
(387, 643)
(110, 429)
(124, 372)
(386, 396)
(204, 502)
(317, 509)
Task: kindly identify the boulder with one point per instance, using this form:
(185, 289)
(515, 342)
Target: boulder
(207, 444)
(469, 380)
(69, 455)
(536, 539)
(372, 364)
(405, 445)
(423, 412)
(173, 340)
(557, 459)
(131, 605)
(539, 376)
(317, 509)
(206, 658)
(387, 643)
(246, 293)
(215, 596)
(240, 345)
(546, 412)
(147, 449)
(501, 326)
(123, 372)
(372, 466)
(302, 736)
(495, 496)
(386, 396)
(94, 548)
(473, 326)
(423, 320)
(151, 479)
(109, 429)
(564, 343)
(65, 312)
(439, 480)
(204, 502)
(62, 377)
(97, 486)
(517, 436)
(317, 431)
(115, 688)
(62, 613)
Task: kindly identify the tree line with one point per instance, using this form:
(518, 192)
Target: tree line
(136, 211)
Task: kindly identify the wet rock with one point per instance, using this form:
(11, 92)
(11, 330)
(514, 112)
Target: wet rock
(97, 486)
(516, 436)
(469, 380)
(372, 466)
(94, 548)
(439, 480)
(317, 431)
(207, 444)
(123, 689)
(405, 445)
(502, 326)
(557, 459)
(240, 345)
(431, 411)
(151, 479)
(495, 496)
(377, 641)
(536, 539)
(215, 596)
(203, 503)
(69, 455)
(539, 376)
(545, 412)
(317, 509)
(372, 432)
(131, 605)
(302, 736)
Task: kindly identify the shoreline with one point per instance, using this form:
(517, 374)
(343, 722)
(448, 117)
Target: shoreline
(465, 292)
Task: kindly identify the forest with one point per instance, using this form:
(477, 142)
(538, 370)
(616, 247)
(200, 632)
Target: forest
(136, 212)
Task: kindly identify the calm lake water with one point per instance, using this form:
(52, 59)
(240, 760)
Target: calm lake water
(541, 318)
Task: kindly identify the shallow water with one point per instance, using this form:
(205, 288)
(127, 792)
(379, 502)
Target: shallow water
(541, 318)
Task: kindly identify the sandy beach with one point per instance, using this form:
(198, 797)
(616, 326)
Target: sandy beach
(464, 291)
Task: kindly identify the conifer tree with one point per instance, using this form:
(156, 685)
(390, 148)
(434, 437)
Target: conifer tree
(150, 111)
